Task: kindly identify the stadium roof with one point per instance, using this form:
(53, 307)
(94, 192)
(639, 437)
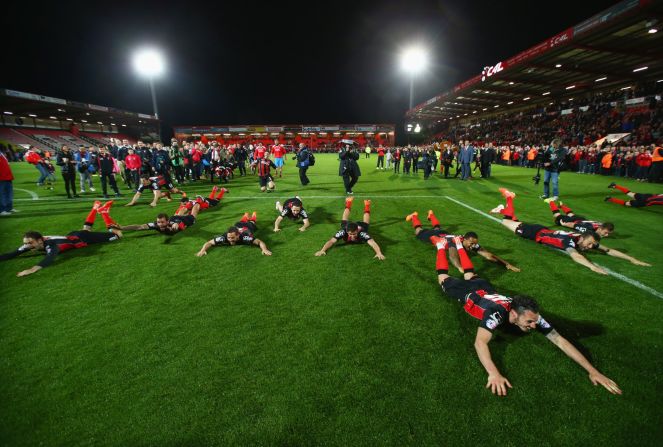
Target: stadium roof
(28, 105)
(616, 48)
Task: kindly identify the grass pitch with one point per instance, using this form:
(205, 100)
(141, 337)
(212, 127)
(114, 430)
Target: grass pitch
(141, 343)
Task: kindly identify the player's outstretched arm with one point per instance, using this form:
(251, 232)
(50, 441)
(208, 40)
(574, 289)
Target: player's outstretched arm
(13, 254)
(132, 227)
(305, 226)
(203, 251)
(262, 246)
(496, 381)
(494, 258)
(621, 255)
(134, 199)
(594, 375)
(580, 259)
(376, 248)
(277, 222)
(327, 246)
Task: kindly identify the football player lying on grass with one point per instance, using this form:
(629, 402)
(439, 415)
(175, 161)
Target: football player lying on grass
(242, 233)
(481, 301)
(294, 210)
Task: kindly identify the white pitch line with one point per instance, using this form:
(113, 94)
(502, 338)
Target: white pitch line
(619, 276)
(32, 194)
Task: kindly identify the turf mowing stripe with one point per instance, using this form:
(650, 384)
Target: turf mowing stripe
(619, 276)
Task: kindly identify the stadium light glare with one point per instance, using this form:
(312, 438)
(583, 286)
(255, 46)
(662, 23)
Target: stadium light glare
(640, 69)
(83, 121)
(545, 93)
(601, 79)
(149, 62)
(510, 102)
(511, 83)
(124, 125)
(526, 99)
(414, 60)
(70, 119)
(558, 65)
(570, 87)
(8, 113)
(53, 117)
(32, 115)
(652, 31)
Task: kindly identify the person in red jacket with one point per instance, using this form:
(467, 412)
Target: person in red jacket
(132, 165)
(380, 164)
(643, 160)
(6, 187)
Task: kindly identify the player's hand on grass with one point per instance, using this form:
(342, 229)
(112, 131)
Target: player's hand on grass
(644, 264)
(29, 271)
(153, 205)
(498, 384)
(130, 204)
(302, 228)
(201, 253)
(513, 268)
(599, 379)
(276, 230)
(320, 253)
(380, 256)
(266, 252)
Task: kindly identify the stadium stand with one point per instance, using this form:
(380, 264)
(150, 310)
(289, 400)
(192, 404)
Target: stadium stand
(15, 138)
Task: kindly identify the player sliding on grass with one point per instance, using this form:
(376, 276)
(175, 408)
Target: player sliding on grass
(293, 209)
(470, 240)
(155, 184)
(481, 301)
(571, 243)
(353, 232)
(53, 245)
(638, 200)
(184, 217)
(242, 233)
(578, 223)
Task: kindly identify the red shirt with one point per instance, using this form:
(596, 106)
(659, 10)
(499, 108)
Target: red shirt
(259, 152)
(132, 161)
(5, 171)
(381, 152)
(643, 160)
(278, 151)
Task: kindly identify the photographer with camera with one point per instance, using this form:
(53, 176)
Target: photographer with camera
(348, 167)
(552, 160)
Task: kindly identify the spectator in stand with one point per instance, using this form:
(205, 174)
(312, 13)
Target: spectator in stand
(107, 170)
(65, 159)
(6, 187)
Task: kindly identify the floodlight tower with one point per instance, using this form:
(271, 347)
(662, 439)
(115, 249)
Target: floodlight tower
(414, 60)
(149, 63)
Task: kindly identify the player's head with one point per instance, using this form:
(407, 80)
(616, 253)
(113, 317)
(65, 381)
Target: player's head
(605, 229)
(34, 239)
(296, 208)
(524, 312)
(470, 239)
(232, 235)
(276, 141)
(145, 179)
(162, 221)
(588, 240)
(353, 231)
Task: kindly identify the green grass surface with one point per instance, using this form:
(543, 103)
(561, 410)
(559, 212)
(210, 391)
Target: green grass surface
(141, 343)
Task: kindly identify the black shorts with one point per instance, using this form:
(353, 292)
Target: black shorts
(425, 235)
(571, 219)
(529, 231)
(188, 220)
(459, 289)
(364, 226)
(263, 180)
(249, 224)
(640, 200)
(95, 237)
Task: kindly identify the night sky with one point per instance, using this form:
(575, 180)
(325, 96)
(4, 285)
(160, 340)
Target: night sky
(284, 62)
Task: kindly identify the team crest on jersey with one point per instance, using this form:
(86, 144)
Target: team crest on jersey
(494, 320)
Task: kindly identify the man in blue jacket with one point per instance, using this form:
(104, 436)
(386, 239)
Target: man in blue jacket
(466, 156)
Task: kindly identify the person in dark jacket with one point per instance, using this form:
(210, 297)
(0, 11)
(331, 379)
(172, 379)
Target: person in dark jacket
(303, 163)
(107, 171)
(348, 167)
(488, 156)
(241, 155)
(65, 159)
(447, 160)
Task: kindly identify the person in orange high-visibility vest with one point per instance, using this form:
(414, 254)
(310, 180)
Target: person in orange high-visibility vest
(606, 163)
(656, 170)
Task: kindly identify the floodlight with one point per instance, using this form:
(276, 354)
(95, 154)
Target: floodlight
(414, 60)
(149, 62)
